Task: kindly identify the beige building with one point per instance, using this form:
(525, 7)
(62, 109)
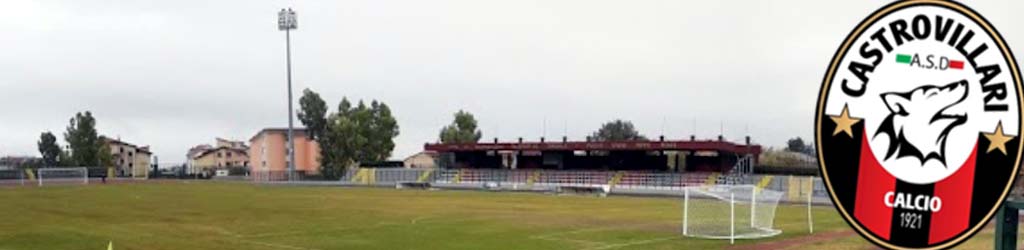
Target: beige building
(424, 159)
(221, 142)
(129, 159)
(222, 157)
(268, 151)
(225, 154)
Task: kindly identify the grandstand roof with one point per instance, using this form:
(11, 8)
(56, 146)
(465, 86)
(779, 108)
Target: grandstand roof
(682, 145)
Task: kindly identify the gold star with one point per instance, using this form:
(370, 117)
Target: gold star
(844, 123)
(997, 140)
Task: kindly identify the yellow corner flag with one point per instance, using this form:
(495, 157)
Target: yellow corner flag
(110, 246)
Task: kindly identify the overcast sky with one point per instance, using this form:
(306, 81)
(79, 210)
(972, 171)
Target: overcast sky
(173, 74)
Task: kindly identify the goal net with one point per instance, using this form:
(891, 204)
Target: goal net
(729, 212)
(50, 176)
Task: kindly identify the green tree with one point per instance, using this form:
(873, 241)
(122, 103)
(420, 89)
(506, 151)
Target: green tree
(381, 130)
(313, 113)
(796, 145)
(334, 155)
(106, 158)
(49, 149)
(351, 135)
(617, 130)
(64, 159)
(86, 147)
(83, 139)
(462, 130)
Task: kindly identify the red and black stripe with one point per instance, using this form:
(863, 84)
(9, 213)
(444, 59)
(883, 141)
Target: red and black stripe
(859, 184)
(838, 153)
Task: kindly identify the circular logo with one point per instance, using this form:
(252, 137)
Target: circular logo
(918, 124)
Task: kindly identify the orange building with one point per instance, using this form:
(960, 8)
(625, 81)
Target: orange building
(268, 151)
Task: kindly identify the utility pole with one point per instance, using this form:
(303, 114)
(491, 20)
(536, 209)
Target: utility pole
(286, 21)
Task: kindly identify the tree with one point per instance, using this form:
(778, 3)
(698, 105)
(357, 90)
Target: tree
(617, 130)
(64, 159)
(49, 149)
(313, 113)
(462, 130)
(86, 147)
(382, 129)
(82, 139)
(334, 155)
(106, 158)
(351, 135)
(796, 145)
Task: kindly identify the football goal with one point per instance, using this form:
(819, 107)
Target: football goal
(50, 176)
(729, 212)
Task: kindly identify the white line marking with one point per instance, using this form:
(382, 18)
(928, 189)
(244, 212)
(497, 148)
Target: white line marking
(274, 245)
(417, 219)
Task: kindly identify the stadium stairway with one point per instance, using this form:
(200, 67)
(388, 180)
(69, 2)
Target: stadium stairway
(616, 179)
(533, 178)
(712, 179)
(458, 176)
(425, 176)
(364, 176)
(765, 180)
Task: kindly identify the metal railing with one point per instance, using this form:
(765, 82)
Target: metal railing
(627, 179)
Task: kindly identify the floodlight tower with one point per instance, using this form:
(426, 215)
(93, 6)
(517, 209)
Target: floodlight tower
(286, 21)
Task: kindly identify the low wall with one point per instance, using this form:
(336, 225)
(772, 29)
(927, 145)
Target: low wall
(795, 189)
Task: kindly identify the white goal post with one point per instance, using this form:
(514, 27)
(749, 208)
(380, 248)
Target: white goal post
(79, 175)
(729, 212)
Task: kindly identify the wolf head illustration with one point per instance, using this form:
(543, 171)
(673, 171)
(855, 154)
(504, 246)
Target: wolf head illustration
(919, 124)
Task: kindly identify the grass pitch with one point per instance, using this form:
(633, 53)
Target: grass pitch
(212, 215)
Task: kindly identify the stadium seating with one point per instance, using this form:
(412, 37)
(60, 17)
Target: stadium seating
(536, 177)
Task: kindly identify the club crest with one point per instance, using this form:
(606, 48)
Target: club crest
(918, 124)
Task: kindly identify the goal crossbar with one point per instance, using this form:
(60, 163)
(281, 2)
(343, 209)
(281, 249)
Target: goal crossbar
(76, 175)
(729, 212)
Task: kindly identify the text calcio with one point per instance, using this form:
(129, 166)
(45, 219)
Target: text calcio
(920, 28)
(912, 202)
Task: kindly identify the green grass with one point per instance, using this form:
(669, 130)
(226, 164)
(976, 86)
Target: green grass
(211, 215)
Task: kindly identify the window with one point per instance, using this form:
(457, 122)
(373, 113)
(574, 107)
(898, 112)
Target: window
(120, 149)
(229, 154)
(219, 155)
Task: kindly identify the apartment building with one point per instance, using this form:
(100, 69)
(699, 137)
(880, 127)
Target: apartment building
(129, 159)
(223, 154)
(268, 151)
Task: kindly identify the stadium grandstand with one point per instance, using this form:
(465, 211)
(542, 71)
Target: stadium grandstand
(662, 164)
(660, 155)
